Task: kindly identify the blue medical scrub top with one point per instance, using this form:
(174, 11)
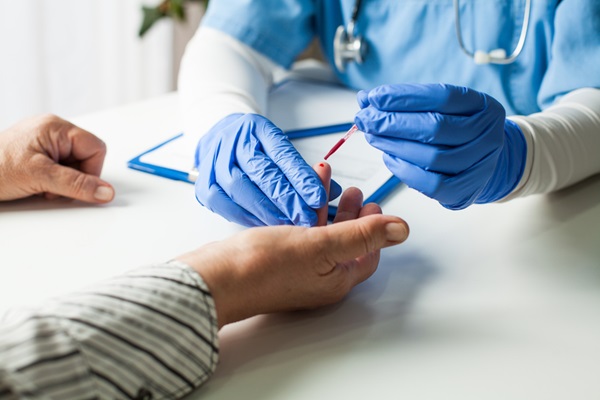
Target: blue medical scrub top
(415, 41)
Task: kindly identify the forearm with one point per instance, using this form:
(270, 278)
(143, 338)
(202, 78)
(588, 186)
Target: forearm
(220, 76)
(563, 143)
(152, 330)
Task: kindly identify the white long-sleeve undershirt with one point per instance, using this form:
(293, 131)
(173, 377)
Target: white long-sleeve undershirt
(220, 76)
(563, 143)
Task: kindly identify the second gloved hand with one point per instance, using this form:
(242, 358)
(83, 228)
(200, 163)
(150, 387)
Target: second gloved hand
(451, 143)
(250, 173)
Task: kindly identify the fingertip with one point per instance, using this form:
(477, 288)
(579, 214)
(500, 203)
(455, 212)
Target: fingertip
(397, 231)
(350, 205)
(322, 168)
(352, 195)
(104, 193)
(362, 115)
(370, 209)
(362, 97)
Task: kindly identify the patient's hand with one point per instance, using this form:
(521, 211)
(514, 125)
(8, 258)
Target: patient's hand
(270, 269)
(48, 155)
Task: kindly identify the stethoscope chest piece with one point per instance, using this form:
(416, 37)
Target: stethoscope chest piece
(347, 47)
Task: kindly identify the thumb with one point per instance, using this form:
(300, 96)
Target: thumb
(69, 182)
(351, 239)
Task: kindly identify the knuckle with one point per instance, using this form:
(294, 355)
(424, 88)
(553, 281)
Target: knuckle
(48, 120)
(321, 245)
(438, 126)
(367, 240)
(48, 117)
(79, 184)
(447, 92)
(436, 185)
(209, 196)
(101, 147)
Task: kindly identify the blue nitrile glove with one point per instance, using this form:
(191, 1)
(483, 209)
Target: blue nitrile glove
(250, 173)
(451, 143)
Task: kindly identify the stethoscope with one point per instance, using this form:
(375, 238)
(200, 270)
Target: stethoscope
(349, 46)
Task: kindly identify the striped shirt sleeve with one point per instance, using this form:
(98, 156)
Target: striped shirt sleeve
(148, 334)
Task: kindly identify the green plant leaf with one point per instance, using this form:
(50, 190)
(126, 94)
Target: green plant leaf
(167, 8)
(151, 16)
(176, 10)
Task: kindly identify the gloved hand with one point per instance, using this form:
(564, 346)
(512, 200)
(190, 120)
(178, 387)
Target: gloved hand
(451, 143)
(250, 173)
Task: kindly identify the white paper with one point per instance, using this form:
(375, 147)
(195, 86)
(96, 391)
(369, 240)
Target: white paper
(356, 163)
(178, 155)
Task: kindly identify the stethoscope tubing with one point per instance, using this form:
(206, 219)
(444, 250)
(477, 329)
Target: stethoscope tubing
(495, 60)
(348, 46)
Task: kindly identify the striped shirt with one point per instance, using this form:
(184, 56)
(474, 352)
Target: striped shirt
(148, 334)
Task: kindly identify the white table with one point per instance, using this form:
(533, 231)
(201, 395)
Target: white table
(494, 302)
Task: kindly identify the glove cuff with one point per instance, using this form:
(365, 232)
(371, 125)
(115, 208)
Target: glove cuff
(510, 166)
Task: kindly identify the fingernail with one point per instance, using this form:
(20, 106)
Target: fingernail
(396, 232)
(103, 193)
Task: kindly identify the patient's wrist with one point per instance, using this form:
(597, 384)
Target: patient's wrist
(213, 263)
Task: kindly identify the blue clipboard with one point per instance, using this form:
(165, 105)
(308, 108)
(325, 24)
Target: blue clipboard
(154, 169)
(190, 176)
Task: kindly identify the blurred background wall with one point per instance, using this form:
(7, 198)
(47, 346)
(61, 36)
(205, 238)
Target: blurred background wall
(70, 57)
